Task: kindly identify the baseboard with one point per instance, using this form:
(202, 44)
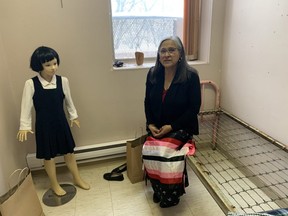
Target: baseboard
(84, 154)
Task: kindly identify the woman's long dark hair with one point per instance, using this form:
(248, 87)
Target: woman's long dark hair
(182, 66)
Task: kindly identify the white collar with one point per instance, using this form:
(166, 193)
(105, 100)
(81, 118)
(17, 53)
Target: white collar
(45, 82)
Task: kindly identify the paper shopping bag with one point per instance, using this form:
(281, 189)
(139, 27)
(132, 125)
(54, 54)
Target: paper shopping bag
(135, 170)
(22, 199)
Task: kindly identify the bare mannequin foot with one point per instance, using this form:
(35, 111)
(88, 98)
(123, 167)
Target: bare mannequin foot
(80, 183)
(58, 190)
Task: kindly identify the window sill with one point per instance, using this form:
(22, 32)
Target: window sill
(148, 65)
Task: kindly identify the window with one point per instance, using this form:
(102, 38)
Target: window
(140, 25)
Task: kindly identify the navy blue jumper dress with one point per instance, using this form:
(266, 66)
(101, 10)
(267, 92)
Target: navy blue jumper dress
(52, 131)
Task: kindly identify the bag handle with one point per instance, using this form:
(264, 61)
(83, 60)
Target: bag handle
(20, 171)
(21, 177)
(11, 176)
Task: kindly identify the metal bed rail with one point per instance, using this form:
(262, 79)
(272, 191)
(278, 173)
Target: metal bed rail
(243, 168)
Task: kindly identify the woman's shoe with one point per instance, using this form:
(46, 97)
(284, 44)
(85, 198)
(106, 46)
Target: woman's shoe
(120, 169)
(167, 205)
(113, 176)
(156, 199)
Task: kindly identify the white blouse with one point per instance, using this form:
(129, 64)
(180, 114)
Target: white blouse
(27, 100)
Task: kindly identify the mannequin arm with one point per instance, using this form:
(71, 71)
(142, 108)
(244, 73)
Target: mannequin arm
(22, 135)
(74, 121)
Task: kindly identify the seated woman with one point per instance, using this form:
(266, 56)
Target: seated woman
(172, 103)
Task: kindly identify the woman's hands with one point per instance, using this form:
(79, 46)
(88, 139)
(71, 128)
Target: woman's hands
(74, 121)
(159, 133)
(22, 135)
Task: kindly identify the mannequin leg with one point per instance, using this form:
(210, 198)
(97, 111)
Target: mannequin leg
(72, 166)
(51, 171)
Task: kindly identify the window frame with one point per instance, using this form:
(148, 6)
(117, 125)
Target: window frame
(191, 30)
(191, 27)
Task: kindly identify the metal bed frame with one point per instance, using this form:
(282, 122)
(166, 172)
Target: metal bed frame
(244, 169)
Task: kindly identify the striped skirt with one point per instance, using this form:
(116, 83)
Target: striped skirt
(165, 161)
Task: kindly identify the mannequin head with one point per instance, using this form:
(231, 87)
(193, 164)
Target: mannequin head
(42, 55)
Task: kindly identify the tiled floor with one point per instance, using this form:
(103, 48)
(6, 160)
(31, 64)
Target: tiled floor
(110, 198)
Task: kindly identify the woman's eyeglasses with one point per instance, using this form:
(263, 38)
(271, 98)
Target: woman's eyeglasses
(170, 51)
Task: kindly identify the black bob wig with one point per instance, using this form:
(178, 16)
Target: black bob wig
(40, 56)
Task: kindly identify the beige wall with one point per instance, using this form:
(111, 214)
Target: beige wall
(254, 79)
(109, 102)
(11, 154)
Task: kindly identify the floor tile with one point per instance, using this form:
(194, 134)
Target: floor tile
(121, 198)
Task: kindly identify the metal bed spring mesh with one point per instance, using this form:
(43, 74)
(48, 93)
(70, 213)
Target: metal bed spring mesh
(243, 170)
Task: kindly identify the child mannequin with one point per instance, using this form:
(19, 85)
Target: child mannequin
(46, 92)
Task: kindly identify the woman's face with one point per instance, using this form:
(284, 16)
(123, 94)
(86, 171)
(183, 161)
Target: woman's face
(49, 68)
(169, 54)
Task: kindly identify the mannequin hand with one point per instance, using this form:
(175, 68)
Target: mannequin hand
(75, 121)
(22, 135)
(165, 129)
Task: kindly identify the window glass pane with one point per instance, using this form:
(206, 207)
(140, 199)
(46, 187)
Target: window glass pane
(140, 25)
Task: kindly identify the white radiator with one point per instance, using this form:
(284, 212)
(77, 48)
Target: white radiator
(85, 154)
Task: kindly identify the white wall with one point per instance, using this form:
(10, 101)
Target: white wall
(109, 102)
(254, 78)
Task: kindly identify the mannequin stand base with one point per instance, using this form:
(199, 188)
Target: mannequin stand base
(51, 199)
